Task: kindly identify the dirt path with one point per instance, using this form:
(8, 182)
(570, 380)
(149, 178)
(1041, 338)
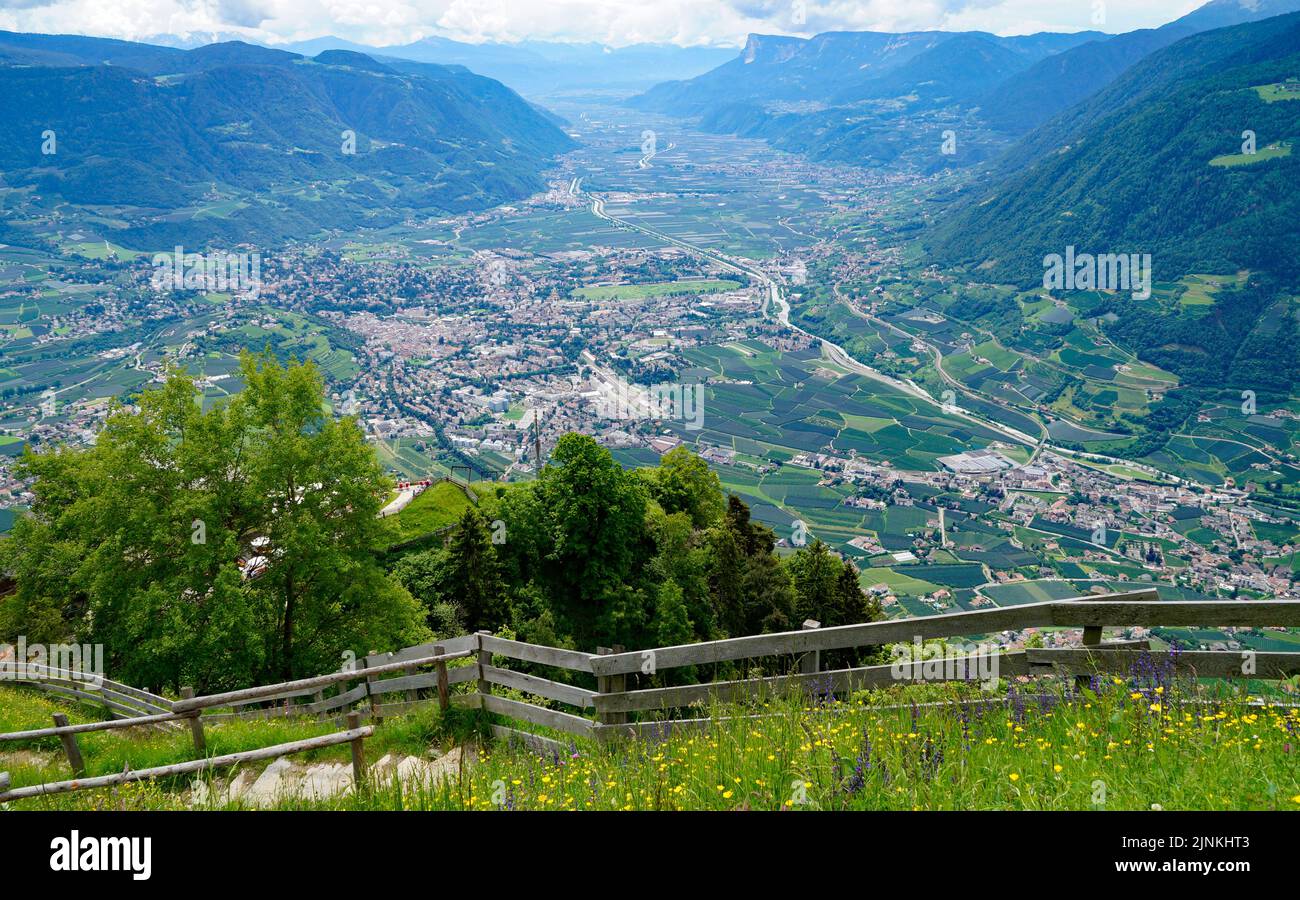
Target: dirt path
(284, 780)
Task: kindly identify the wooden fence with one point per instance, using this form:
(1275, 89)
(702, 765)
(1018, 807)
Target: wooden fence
(120, 701)
(602, 697)
(616, 704)
(190, 710)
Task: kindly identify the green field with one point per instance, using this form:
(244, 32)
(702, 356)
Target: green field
(654, 289)
(1282, 90)
(1264, 154)
(770, 407)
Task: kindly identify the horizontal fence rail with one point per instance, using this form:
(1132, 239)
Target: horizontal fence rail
(536, 653)
(121, 701)
(304, 685)
(87, 727)
(1128, 609)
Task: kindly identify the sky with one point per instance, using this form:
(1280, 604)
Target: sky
(612, 22)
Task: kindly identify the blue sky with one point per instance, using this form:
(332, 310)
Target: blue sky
(614, 22)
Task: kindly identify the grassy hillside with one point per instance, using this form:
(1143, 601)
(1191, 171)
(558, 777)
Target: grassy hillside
(1137, 743)
(339, 139)
(439, 506)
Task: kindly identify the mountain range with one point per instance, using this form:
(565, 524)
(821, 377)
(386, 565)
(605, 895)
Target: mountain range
(879, 99)
(1175, 120)
(299, 144)
(840, 68)
(535, 67)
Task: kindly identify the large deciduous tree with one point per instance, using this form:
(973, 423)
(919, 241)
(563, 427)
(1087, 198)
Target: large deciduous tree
(136, 542)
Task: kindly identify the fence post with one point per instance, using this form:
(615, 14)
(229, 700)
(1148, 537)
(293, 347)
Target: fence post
(70, 748)
(374, 701)
(358, 752)
(444, 699)
(811, 661)
(1091, 638)
(484, 659)
(410, 693)
(196, 723)
(611, 684)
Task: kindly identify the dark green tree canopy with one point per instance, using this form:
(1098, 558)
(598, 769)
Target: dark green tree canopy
(137, 542)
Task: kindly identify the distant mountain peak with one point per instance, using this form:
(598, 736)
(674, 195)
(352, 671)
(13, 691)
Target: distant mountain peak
(769, 48)
(238, 53)
(352, 60)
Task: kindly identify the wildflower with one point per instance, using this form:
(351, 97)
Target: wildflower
(1015, 776)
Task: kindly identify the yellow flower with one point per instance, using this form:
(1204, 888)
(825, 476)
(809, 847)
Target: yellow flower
(726, 795)
(1015, 776)
(1057, 767)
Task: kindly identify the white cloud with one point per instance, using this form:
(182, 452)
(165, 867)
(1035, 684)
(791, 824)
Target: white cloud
(616, 22)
